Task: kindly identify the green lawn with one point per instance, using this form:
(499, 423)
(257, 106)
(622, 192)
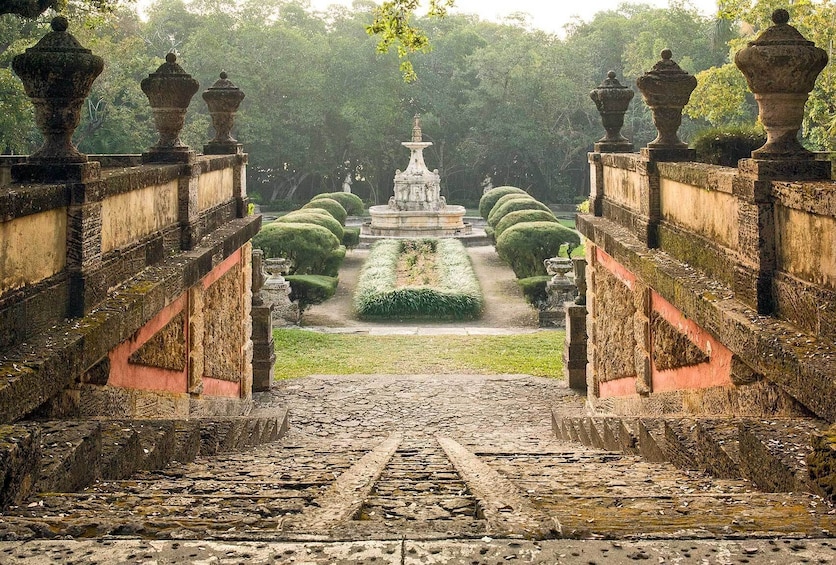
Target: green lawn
(300, 353)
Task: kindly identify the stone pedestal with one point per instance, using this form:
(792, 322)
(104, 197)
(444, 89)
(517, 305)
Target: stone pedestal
(276, 293)
(574, 351)
(264, 351)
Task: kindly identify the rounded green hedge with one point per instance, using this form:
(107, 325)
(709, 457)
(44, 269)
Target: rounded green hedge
(351, 237)
(314, 216)
(329, 205)
(522, 216)
(306, 290)
(308, 247)
(351, 202)
(486, 203)
(727, 145)
(502, 210)
(526, 245)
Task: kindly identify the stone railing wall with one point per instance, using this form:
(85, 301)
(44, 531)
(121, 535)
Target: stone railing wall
(127, 295)
(728, 278)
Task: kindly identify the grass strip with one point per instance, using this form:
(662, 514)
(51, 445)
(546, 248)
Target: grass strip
(301, 353)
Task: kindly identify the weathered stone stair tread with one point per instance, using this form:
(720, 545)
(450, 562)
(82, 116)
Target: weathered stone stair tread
(20, 460)
(71, 452)
(773, 453)
(121, 451)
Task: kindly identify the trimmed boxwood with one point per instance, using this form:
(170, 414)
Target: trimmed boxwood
(314, 216)
(523, 216)
(503, 210)
(458, 295)
(333, 262)
(351, 202)
(308, 247)
(526, 245)
(329, 205)
(351, 237)
(307, 290)
(488, 200)
(534, 289)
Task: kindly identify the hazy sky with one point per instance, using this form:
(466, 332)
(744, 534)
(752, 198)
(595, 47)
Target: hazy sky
(549, 15)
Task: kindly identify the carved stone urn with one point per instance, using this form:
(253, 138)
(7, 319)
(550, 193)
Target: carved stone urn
(169, 90)
(57, 75)
(612, 99)
(781, 67)
(666, 89)
(223, 99)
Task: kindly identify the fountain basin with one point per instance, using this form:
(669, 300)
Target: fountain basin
(388, 222)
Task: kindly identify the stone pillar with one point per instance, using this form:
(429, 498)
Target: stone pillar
(641, 333)
(650, 207)
(239, 186)
(264, 351)
(84, 249)
(246, 320)
(596, 185)
(188, 211)
(196, 327)
(575, 352)
(780, 67)
(592, 306)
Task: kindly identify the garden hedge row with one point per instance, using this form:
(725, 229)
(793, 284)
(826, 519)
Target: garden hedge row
(457, 296)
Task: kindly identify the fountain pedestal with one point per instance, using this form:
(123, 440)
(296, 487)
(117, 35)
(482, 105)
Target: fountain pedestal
(417, 208)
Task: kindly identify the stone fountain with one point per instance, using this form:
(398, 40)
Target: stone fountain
(417, 208)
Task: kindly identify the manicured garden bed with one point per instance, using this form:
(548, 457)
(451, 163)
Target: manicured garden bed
(418, 278)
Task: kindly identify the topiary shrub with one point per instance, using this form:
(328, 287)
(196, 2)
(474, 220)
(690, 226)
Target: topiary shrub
(333, 262)
(329, 205)
(526, 245)
(490, 233)
(728, 145)
(506, 208)
(351, 237)
(308, 247)
(351, 202)
(307, 290)
(534, 289)
(486, 203)
(523, 216)
(314, 216)
(508, 198)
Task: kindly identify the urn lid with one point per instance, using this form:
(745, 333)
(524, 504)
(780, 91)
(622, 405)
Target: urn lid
(781, 33)
(666, 68)
(223, 83)
(611, 82)
(59, 39)
(170, 67)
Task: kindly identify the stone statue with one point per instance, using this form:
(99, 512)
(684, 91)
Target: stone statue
(347, 183)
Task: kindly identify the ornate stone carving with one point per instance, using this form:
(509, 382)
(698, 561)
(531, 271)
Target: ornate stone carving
(223, 99)
(781, 67)
(666, 89)
(612, 99)
(169, 90)
(57, 74)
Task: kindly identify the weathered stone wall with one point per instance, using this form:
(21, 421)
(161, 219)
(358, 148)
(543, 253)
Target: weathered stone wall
(718, 285)
(112, 283)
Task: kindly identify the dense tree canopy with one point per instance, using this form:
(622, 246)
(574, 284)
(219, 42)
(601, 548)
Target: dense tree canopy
(502, 103)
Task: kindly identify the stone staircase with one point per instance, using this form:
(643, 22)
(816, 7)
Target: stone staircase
(771, 453)
(68, 456)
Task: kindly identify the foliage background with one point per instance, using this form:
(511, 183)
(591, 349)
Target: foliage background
(500, 101)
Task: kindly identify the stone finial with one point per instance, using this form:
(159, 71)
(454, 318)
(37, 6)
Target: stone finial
(781, 67)
(666, 89)
(417, 134)
(223, 99)
(612, 99)
(57, 75)
(169, 91)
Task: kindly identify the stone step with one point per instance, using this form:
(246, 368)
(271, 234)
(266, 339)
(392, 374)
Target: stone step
(70, 455)
(822, 463)
(771, 453)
